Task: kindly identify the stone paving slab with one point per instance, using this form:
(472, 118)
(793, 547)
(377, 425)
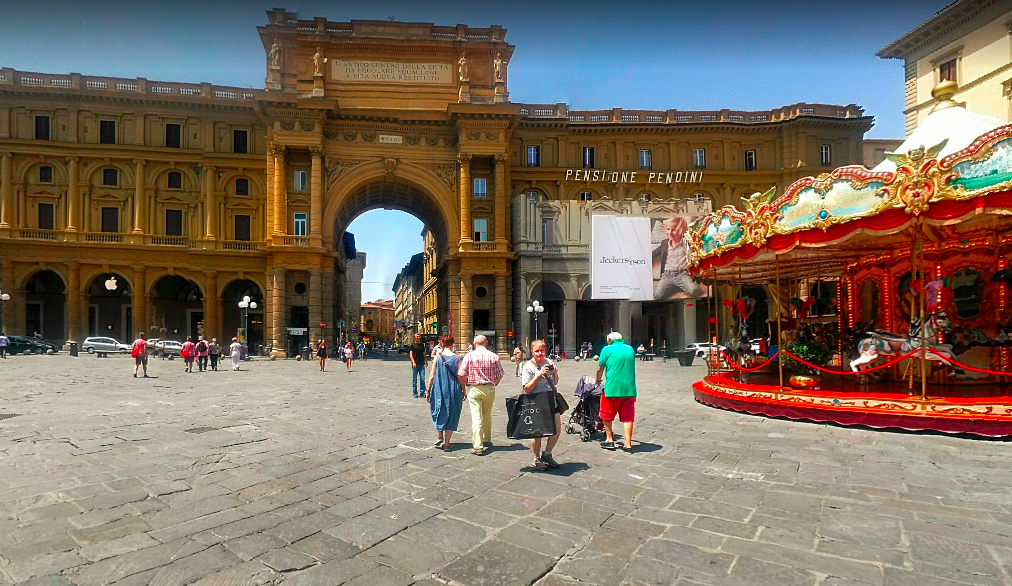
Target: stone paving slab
(283, 475)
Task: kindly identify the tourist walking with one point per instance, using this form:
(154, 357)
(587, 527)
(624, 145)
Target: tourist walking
(235, 351)
(187, 352)
(214, 352)
(479, 372)
(445, 395)
(584, 348)
(349, 355)
(140, 353)
(321, 353)
(518, 357)
(540, 376)
(202, 352)
(4, 343)
(418, 356)
(618, 365)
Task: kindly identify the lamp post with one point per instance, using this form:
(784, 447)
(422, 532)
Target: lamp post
(246, 305)
(3, 297)
(535, 308)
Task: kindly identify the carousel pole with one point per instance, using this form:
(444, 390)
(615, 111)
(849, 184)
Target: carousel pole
(716, 338)
(924, 325)
(911, 367)
(780, 338)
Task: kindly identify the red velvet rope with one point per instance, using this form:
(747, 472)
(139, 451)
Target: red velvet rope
(952, 362)
(742, 368)
(852, 372)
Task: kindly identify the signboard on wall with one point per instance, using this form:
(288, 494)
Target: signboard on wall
(642, 259)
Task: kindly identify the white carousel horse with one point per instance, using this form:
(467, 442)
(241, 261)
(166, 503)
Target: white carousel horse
(884, 344)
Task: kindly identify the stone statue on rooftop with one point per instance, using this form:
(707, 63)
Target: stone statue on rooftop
(498, 67)
(275, 55)
(462, 64)
(318, 61)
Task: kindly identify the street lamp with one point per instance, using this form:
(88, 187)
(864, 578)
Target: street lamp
(246, 305)
(3, 297)
(535, 308)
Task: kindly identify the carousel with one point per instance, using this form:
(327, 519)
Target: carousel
(888, 287)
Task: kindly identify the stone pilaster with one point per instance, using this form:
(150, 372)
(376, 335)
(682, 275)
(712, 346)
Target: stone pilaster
(316, 197)
(210, 204)
(280, 194)
(501, 306)
(74, 303)
(501, 201)
(465, 200)
(73, 194)
(315, 304)
(6, 190)
(140, 199)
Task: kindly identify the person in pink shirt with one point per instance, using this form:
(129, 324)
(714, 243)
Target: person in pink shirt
(189, 351)
(202, 348)
(140, 354)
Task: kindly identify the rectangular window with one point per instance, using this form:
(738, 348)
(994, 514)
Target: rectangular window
(300, 224)
(546, 230)
(750, 160)
(588, 157)
(533, 156)
(45, 174)
(173, 136)
(301, 181)
(239, 142)
(46, 218)
(480, 187)
(481, 230)
(242, 186)
(699, 159)
(110, 177)
(242, 228)
(947, 71)
(175, 180)
(42, 128)
(646, 159)
(107, 131)
(110, 219)
(825, 155)
(586, 196)
(173, 222)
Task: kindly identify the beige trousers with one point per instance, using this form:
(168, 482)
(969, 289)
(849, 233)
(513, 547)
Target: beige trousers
(481, 398)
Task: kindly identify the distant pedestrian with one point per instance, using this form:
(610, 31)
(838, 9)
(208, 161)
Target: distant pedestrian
(518, 357)
(479, 372)
(418, 356)
(445, 395)
(590, 349)
(584, 348)
(321, 353)
(214, 353)
(349, 355)
(140, 354)
(540, 376)
(618, 365)
(202, 352)
(4, 343)
(188, 352)
(235, 351)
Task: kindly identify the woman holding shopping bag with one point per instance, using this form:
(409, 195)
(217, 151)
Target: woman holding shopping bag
(540, 376)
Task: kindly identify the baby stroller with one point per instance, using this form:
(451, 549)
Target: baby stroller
(587, 413)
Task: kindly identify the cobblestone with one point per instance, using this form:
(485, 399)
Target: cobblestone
(283, 475)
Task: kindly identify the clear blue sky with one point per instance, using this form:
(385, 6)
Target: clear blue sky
(590, 54)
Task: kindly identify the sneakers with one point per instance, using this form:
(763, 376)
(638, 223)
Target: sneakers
(548, 459)
(540, 464)
(478, 451)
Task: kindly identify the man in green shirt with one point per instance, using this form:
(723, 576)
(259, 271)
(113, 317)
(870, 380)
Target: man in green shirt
(617, 363)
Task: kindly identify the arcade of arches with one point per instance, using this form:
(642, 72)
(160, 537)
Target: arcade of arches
(156, 206)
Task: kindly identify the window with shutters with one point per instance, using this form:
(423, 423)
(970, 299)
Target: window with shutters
(110, 219)
(533, 156)
(242, 186)
(586, 196)
(300, 224)
(301, 181)
(242, 227)
(825, 155)
(107, 131)
(588, 157)
(239, 142)
(480, 229)
(480, 187)
(110, 177)
(174, 180)
(646, 159)
(947, 71)
(173, 136)
(750, 162)
(699, 158)
(42, 128)
(45, 174)
(173, 222)
(46, 217)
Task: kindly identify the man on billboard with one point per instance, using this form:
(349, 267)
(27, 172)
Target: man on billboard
(670, 259)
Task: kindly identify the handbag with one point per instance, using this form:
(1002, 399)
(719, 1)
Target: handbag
(185, 353)
(530, 416)
(135, 352)
(561, 406)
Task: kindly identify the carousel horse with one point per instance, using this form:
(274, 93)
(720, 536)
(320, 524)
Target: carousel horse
(885, 344)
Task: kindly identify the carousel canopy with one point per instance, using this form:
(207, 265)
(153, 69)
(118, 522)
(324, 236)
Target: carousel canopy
(952, 178)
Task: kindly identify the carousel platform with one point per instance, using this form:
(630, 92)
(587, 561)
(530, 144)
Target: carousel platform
(983, 410)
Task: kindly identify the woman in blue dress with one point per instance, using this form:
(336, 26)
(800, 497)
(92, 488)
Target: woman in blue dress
(445, 395)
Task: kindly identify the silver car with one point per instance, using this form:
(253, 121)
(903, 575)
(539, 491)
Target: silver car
(102, 344)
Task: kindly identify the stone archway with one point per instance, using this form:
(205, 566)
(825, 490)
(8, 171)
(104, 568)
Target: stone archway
(109, 301)
(233, 317)
(45, 305)
(177, 307)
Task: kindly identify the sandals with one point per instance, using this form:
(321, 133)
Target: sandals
(608, 445)
(437, 443)
(447, 447)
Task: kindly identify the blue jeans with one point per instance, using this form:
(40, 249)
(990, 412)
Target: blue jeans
(417, 378)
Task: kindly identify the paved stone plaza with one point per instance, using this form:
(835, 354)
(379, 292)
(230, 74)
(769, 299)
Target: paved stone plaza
(281, 474)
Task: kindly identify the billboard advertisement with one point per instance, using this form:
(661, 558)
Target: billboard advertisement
(641, 259)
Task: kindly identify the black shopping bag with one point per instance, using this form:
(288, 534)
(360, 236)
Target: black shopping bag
(531, 416)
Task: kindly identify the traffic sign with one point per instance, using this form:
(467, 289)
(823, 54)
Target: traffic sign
(446, 330)
(323, 324)
(354, 330)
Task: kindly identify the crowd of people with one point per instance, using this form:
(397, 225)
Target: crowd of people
(206, 354)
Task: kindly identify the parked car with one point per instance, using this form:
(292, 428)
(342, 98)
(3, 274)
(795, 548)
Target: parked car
(95, 344)
(19, 345)
(152, 344)
(43, 347)
(703, 348)
(168, 348)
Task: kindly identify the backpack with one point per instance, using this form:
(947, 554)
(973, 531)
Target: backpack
(202, 346)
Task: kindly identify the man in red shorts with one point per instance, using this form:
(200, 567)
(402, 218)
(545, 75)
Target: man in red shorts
(617, 363)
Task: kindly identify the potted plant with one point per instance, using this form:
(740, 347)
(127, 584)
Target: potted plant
(804, 376)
